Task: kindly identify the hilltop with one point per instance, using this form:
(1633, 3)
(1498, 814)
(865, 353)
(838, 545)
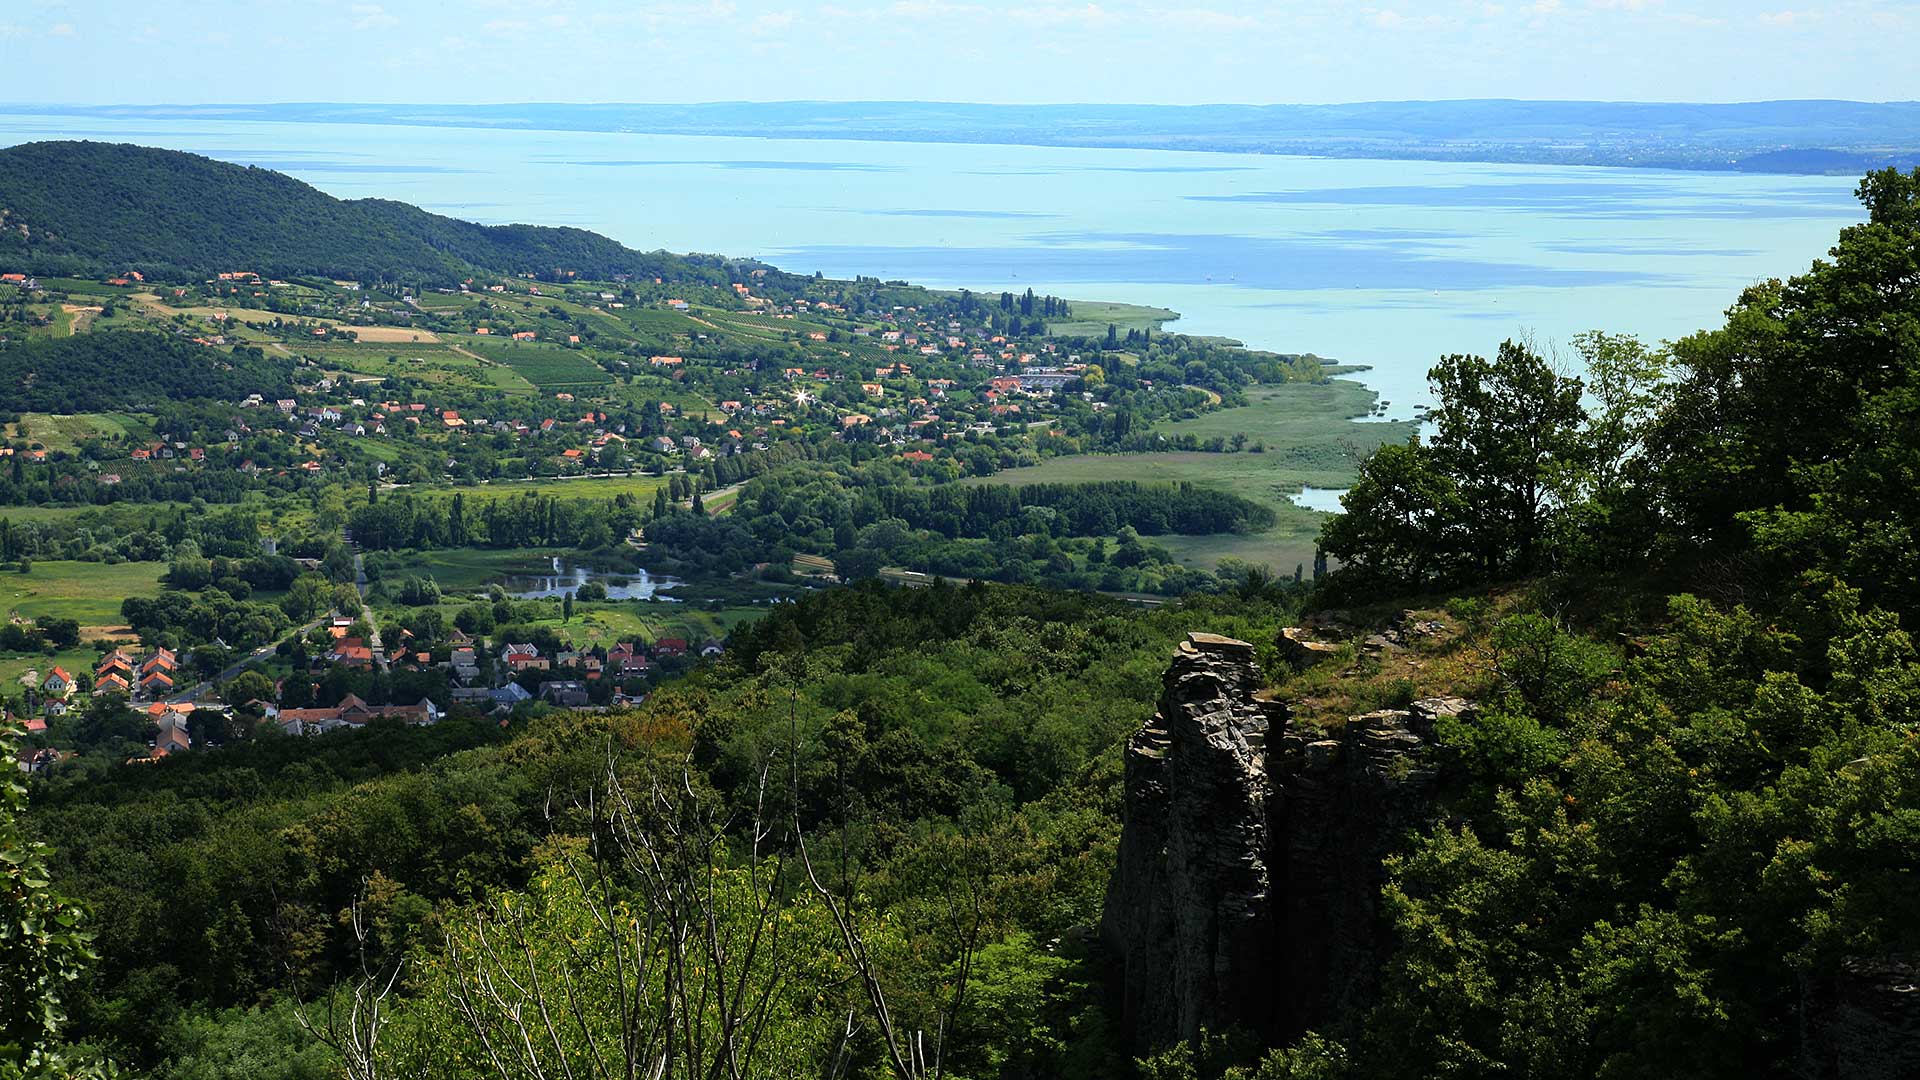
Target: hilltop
(87, 207)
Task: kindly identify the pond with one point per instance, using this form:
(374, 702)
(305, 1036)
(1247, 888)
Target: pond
(567, 577)
(1325, 500)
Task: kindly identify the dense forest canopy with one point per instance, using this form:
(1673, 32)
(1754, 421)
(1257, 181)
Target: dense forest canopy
(104, 207)
(120, 369)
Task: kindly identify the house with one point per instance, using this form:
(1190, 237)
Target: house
(564, 693)
(670, 646)
(510, 695)
(352, 711)
(351, 652)
(524, 657)
(58, 684)
(172, 738)
(624, 659)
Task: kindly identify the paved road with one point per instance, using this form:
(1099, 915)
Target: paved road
(366, 612)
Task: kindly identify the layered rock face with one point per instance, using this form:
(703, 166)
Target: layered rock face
(1246, 889)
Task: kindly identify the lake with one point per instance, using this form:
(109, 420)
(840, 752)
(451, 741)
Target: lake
(1384, 263)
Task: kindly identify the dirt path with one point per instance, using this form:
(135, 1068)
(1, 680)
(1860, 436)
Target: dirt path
(82, 317)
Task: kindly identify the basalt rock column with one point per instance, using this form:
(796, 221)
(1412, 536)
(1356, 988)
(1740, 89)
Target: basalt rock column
(1187, 919)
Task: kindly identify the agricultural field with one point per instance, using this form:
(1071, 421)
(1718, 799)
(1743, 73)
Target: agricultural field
(66, 432)
(437, 364)
(544, 367)
(381, 335)
(655, 321)
(88, 592)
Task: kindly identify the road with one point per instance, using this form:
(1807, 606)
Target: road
(366, 612)
(239, 665)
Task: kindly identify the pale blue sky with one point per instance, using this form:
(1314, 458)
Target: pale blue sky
(1176, 52)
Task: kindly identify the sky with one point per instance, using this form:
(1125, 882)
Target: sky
(1117, 51)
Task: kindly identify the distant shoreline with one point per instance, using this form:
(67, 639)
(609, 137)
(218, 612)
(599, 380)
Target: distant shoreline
(1780, 138)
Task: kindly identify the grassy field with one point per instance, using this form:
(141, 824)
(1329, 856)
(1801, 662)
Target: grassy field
(1305, 425)
(13, 666)
(1092, 317)
(84, 591)
(468, 569)
(640, 486)
(1310, 442)
(648, 621)
(20, 515)
(1260, 477)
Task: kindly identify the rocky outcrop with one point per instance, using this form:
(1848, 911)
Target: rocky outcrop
(1342, 802)
(1863, 1022)
(1299, 648)
(1188, 904)
(1246, 892)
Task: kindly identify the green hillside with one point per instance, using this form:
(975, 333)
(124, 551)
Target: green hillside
(88, 207)
(121, 368)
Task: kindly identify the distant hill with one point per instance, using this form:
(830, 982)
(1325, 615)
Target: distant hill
(87, 207)
(1737, 136)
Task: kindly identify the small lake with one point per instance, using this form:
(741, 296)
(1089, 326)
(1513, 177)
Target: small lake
(568, 577)
(1325, 500)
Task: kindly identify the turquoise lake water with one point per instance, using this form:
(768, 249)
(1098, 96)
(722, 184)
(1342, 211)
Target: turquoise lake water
(1385, 263)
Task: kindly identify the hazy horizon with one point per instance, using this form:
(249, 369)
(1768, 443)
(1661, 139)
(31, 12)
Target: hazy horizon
(1116, 52)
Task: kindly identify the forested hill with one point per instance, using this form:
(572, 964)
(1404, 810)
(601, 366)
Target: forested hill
(120, 369)
(87, 207)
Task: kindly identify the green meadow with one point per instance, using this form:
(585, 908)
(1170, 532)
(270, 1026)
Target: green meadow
(1092, 317)
(88, 592)
(1310, 441)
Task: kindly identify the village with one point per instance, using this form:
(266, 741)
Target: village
(595, 401)
(471, 677)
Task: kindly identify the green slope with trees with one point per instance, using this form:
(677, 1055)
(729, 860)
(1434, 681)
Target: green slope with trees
(121, 369)
(88, 207)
